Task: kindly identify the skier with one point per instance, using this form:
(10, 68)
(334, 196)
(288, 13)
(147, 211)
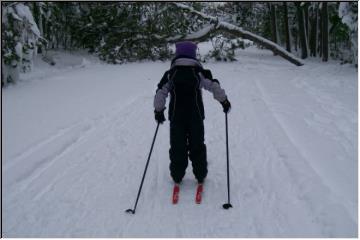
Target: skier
(184, 80)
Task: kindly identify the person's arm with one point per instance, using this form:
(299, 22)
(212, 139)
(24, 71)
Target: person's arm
(162, 92)
(212, 85)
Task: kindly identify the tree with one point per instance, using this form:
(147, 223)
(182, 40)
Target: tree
(348, 13)
(325, 32)
(129, 31)
(313, 29)
(286, 25)
(20, 40)
(305, 7)
(274, 32)
(302, 31)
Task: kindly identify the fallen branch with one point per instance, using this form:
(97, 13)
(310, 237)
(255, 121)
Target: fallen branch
(201, 35)
(220, 26)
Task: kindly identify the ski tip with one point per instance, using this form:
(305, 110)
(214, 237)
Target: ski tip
(175, 196)
(199, 191)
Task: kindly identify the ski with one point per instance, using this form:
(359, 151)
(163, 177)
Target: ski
(175, 196)
(199, 191)
(198, 196)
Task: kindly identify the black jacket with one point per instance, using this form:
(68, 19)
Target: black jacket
(184, 81)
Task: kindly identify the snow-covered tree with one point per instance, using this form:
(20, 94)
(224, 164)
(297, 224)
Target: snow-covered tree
(348, 14)
(130, 31)
(20, 40)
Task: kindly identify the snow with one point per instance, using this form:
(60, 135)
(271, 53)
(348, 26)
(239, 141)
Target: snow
(191, 9)
(24, 12)
(14, 15)
(77, 134)
(346, 15)
(349, 17)
(9, 10)
(194, 35)
(202, 32)
(18, 50)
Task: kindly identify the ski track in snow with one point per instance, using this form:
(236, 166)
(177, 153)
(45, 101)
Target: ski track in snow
(78, 180)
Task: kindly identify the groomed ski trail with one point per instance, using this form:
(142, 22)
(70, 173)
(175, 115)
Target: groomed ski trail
(79, 180)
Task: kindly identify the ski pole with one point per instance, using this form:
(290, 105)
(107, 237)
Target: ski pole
(143, 177)
(228, 204)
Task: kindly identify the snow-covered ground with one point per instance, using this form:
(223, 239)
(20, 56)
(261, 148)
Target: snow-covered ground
(76, 138)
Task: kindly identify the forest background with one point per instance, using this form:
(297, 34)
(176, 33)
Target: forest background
(119, 32)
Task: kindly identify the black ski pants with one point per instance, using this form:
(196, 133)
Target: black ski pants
(187, 140)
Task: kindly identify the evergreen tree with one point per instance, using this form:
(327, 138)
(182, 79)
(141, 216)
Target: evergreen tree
(119, 32)
(20, 40)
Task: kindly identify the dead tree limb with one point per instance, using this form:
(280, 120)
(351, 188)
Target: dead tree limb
(199, 36)
(219, 26)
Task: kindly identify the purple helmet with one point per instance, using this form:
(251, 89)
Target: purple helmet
(186, 48)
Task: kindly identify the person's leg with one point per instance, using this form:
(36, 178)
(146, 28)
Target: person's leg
(197, 149)
(178, 150)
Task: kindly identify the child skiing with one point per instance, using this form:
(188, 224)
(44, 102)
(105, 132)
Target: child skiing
(184, 81)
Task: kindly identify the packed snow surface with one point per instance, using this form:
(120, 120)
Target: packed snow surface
(76, 137)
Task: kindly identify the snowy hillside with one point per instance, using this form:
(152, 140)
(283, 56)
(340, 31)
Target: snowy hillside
(76, 137)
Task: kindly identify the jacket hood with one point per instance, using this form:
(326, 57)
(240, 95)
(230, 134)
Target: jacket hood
(183, 61)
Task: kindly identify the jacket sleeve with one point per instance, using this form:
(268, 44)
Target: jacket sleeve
(162, 93)
(212, 85)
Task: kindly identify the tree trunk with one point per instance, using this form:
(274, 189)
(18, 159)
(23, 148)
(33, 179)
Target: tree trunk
(302, 31)
(306, 19)
(313, 33)
(325, 42)
(295, 36)
(36, 12)
(286, 24)
(38, 20)
(316, 30)
(273, 23)
(320, 40)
